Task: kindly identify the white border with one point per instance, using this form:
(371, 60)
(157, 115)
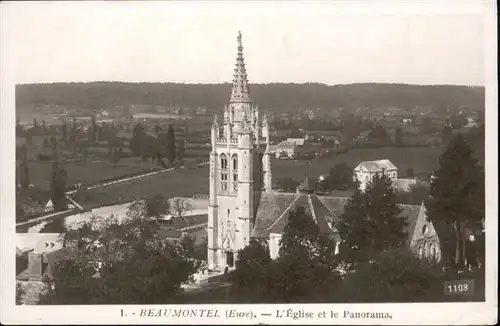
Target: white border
(415, 314)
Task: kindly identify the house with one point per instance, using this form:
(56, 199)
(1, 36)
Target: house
(36, 255)
(365, 172)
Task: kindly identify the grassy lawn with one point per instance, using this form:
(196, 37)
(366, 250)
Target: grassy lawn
(421, 159)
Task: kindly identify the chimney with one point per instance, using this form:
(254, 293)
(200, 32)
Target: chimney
(35, 265)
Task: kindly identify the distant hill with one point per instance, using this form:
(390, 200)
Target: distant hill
(275, 97)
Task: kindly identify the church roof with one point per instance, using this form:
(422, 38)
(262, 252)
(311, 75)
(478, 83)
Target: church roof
(240, 92)
(273, 210)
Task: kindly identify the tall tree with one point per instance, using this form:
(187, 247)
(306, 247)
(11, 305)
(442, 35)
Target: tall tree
(19, 128)
(93, 130)
(371, 221)
(24, 173)
(340, 178)
(35, 124)
(457, 196)
(170, 146)
(64, 131)
(58, 181)
(137, 141)
(447, 134)
(74, 132)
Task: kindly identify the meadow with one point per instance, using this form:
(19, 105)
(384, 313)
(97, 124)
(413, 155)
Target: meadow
(421, 159)
(182, 182)
(186, 182)
(40, 172)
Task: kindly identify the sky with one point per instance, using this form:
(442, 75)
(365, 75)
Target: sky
(196, 43)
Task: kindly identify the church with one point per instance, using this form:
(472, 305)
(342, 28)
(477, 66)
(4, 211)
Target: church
(242, 203)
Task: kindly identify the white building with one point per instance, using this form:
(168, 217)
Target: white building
(365, 172)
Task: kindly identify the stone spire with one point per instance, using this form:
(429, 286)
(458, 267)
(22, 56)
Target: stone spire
(240, 92)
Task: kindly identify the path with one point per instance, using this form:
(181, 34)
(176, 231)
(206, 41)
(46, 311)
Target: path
(126, 179)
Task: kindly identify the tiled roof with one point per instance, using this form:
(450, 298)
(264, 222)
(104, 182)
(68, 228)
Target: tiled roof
(272, 213)
(376, 166)
(271, 207)
(411, 213)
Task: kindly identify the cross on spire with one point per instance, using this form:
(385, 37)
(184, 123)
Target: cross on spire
(240, 92)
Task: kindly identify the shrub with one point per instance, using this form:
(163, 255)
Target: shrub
(394, 276)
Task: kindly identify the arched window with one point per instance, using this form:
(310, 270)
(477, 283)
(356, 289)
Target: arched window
(223, 162)
(234, 168)
(223, 173)
(421, 251)
(234, 159)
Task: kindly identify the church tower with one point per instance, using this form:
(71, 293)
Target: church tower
(235, 148)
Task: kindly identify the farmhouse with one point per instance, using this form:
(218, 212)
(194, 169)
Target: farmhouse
(242, 204)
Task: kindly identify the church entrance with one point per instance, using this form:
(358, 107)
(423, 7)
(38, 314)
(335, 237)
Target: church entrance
(229, 258)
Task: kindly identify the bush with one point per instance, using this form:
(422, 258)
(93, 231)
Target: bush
(394, 276)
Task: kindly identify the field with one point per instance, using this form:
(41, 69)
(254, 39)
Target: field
(421, 159)
(186, 182)
(85, 173)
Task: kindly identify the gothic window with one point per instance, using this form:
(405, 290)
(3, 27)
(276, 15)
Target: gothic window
(223, 162)
(235, 162)
(223, 173)
(234, 168)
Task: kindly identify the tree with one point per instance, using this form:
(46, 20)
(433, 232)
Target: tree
(74, 132)
(458, 121)
(19, 128)
(170, 145)
(447, 134)
(35, 124)
(114, 155)
(20, 293)
(287, 184)
(371, 221)
(179, 207)
(340, 178)
(64, 131)
(181, 149)
(58, 182)
(158, 130)
(24, 179)
(418, 193)
(306, 259)
(136, 143)
(93, 130)
(457, 196)
(379, 135)
(120, 263)
(393, 276)
(399, 136)
(157, 206)
(252, 260)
